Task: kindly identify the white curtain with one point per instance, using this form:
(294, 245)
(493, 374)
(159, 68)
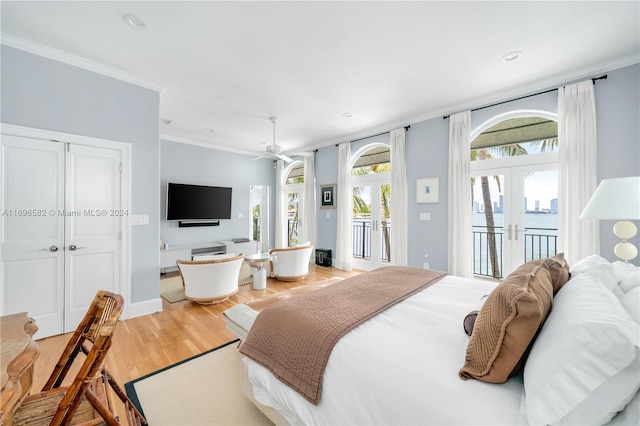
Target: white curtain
(344, 201)
(577, 170)
(281, 239)
(460, 225)
(308, 228)
(399, 234)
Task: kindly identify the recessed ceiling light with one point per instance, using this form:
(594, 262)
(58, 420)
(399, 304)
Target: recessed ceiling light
(347, 115)
(512, 56)
(208, 130)
(134, 21)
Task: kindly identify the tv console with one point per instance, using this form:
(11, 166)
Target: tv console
(169, 256)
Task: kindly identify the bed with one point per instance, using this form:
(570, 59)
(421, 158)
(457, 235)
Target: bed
(405, 364)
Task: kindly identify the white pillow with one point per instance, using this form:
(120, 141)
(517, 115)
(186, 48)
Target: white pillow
(630, 415)
(584, 366)
(588, 262)
(631, 302)
(628, 275)
(618, 291)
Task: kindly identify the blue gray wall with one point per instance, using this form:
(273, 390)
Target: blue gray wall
(46, 94)
(427, 150)
(190, 164)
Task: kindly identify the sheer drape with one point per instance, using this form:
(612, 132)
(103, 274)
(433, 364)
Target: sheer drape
(577, 169)
(460, 224)
(308, 228)
(281, 239)
(344, 201)
(399, 234)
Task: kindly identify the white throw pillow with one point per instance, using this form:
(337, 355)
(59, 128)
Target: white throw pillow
(631, 302)
(588, 262)
(627, 274)
(584, 366)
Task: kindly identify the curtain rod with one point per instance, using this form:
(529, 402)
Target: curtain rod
(594, 79)
(377, 134)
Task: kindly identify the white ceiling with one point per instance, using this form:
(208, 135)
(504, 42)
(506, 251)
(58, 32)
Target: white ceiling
(229, 66)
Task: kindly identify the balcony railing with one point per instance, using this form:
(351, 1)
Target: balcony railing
(538, 243)
(362, 239)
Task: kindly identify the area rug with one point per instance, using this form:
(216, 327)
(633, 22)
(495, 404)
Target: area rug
(202, 390)
(172, 290)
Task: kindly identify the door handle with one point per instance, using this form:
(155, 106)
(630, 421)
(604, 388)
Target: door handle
(52, 249)
(509, 233)
(517, 232)
(73, 247)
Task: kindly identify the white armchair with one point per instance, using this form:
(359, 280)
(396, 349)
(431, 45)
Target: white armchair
(291, 263)
(210, 279)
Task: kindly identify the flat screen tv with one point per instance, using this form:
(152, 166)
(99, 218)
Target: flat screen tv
(198, 202)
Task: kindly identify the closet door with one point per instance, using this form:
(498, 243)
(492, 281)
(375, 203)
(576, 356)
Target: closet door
(32, 226)
(92, 230)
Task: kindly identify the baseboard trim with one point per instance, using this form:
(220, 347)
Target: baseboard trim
(139, 309)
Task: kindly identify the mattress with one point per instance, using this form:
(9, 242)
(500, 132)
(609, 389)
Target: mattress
(401, 367)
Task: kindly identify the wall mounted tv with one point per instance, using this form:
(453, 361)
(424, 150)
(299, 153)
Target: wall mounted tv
(198, 202)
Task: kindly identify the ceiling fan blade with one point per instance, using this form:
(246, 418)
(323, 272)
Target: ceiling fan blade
(261, 157)
(284, 158)
(300, 153)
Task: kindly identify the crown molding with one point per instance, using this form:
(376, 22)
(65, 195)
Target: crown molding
(77, 61)
(187, 141)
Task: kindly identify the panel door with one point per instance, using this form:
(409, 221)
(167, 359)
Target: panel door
(32, 226)
(371, 224)
(92, 227)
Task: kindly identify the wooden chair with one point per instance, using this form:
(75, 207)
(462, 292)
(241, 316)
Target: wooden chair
(86, 401)
(210, 279)
(291, 263)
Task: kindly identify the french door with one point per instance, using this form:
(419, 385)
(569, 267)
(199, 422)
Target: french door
(371, 221)
(61, 229)
(514, 213)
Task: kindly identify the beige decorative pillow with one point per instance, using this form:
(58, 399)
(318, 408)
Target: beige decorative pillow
(559, 271)
(508, 323)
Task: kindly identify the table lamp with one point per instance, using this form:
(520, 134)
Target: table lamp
(617, 198)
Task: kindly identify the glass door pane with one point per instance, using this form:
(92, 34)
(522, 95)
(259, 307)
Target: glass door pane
(293, 216)
(540, 214)
(488, 224)
(385, 222)
(362, 222)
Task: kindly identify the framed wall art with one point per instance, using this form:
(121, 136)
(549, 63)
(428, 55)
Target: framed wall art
(328, 196)
(427, 190)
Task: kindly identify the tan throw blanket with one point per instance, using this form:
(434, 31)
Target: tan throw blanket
(294, 338)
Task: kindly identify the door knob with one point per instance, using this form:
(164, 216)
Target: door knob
(52, 248)
(73, 247)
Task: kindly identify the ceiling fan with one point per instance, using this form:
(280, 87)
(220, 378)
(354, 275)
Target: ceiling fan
(274, 151)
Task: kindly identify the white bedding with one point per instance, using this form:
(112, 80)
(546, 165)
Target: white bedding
(401, 367)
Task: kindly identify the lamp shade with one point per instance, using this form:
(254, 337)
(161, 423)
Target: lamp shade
(617, 198)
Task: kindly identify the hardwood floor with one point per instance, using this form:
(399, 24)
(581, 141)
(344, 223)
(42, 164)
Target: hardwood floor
(183, 329)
